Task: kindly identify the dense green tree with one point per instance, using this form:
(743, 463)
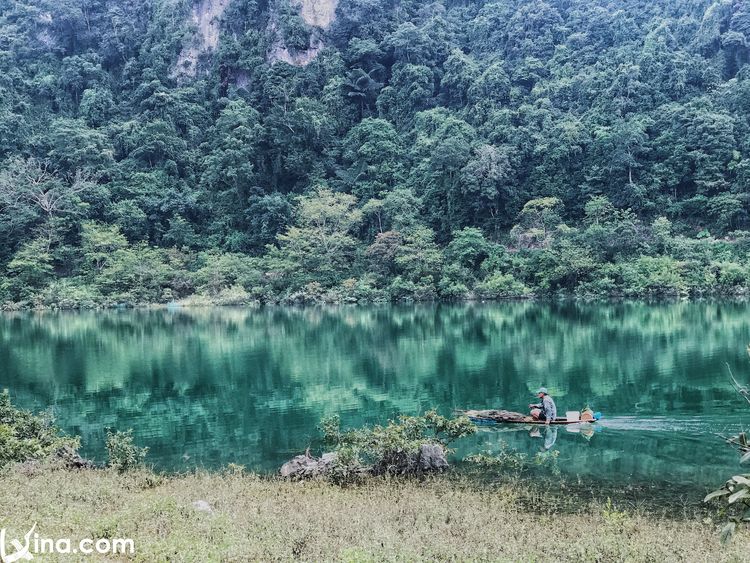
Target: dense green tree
(28, 270)
(319, 246)
(267, 216)
(475, 148)
(229, 169)
(99, 243)
(372, 154)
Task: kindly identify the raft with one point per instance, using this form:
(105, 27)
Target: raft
(493, 417)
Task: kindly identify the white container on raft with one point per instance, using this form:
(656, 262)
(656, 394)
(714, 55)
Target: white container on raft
(573, 416)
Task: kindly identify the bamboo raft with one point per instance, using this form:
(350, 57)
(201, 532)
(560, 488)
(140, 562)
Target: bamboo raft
(492, 417)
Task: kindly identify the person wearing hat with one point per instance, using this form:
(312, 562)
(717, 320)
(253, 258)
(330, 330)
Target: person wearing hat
(546, 409)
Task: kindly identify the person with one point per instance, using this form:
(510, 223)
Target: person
(546, 409)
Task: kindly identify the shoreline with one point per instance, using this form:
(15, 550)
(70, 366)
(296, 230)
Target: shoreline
(189, 304)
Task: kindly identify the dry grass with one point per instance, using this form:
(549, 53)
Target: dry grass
(260, 519)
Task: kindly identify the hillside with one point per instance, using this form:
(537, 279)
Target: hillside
(237, 151)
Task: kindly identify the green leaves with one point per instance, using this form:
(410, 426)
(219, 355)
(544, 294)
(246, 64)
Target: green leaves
(25, 436)
(739, 495)
(736, 494)
(319, 247)
(124, 455)
(393, 448)
(448, 116)
(716, 494)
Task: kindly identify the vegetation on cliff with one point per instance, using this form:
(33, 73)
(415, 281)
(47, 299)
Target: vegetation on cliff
(411, 150)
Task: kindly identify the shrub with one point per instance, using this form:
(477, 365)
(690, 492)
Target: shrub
(604, 283)
(699, 277)
(218, 272)
(310, 293)
(70, 294)
(362, 289)
(505, 460)
(731, 275)
(736, 493)
(402, 289)
(138, 274)
(502, 286)
(28, 270)
(391, 449)
(233, 296)
(649, 275)
(25, 436)
(124, 455)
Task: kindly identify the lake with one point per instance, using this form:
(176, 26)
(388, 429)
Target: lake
(206, 387)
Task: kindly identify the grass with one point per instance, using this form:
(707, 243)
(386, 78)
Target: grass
(255, 518)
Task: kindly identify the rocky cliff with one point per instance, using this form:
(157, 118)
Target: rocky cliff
(206, 20)
(206, 16)
(318, 15)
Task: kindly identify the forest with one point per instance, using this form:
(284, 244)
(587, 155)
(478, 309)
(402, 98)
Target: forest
(303, 151)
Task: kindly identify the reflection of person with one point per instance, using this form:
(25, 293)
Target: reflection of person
(546, 409)
(550, 437)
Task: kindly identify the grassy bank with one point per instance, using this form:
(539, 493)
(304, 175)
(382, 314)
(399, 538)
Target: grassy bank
(253, 518)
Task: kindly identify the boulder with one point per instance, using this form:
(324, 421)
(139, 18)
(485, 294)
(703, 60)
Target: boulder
(202, 506)
(431, 458)
(306, 466)
(72, 459)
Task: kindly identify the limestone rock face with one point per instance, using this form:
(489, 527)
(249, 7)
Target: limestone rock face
(318, 15)
(206, 17)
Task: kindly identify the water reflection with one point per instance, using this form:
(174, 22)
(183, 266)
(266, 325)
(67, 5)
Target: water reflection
(208, 387)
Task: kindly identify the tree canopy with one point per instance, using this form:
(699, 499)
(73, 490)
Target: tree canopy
(408, 150)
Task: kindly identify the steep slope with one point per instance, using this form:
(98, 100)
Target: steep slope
(318, 15)
(206, 17)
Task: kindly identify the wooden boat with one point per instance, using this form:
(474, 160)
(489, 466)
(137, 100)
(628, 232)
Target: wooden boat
(494, 417)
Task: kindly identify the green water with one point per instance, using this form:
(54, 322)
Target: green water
(208, 387)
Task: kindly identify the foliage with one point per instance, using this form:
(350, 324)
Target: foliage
(123, 454)
(736, 491)
(508, 461)
(390, 449)
(502, 286)
(27, 436)
(505, 460)
(452, 150)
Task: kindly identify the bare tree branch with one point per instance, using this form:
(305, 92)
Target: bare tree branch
(741, 389)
